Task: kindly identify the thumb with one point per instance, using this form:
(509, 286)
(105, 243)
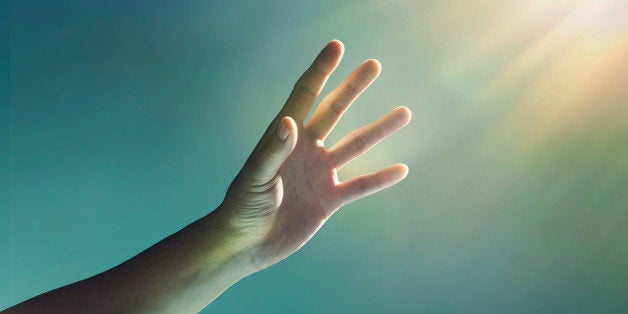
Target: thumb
(274, 152)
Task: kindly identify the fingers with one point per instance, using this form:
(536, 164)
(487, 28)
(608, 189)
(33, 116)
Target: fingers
(311, 83)
(368, 184)
(337, 101)
(359, 141)
(266, 161)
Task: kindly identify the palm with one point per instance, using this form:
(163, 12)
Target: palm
(309, 196)
(284, 207)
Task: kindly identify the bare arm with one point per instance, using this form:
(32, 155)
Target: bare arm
(284, 193)
(180, 274)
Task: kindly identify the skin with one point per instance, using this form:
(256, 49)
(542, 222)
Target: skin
(285, 192)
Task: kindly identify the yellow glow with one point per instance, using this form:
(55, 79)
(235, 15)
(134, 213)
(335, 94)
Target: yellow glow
(569, 69)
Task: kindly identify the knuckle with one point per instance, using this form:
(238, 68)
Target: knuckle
(300, 87)
(273, 150)
(337, 106)
(362, 186)
(359, 142)
(352, 89)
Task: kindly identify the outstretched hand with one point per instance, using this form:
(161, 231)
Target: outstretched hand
(288, 187)
(284, 193)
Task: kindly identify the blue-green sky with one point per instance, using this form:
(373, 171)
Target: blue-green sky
(123, 121)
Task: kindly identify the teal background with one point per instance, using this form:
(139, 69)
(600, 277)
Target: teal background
(123, 121)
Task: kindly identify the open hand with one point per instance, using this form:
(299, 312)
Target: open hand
(288, 187)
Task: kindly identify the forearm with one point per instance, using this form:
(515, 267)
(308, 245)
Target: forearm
(182, 273)
(285, 192)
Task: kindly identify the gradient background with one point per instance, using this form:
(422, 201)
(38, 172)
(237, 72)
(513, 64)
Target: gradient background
(124, 122)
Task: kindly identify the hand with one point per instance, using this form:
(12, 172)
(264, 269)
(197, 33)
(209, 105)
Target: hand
(286, 190)
(288, 187)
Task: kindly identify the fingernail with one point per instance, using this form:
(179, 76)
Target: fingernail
(283, 130)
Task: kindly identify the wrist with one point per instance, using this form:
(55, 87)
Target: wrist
(234, 245)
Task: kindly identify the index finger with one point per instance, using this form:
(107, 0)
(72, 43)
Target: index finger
(310, 84)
